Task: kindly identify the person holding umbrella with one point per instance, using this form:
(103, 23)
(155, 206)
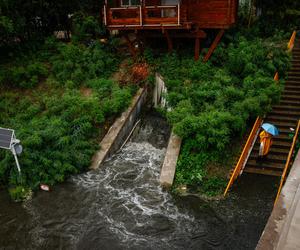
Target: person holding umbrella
(266, 136)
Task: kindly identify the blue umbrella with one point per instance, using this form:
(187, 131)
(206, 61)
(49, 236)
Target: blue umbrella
(270, 128)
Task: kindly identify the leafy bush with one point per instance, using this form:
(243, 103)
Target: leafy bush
(27, 76)
(85, 27)
(78, 63)
(58, 132)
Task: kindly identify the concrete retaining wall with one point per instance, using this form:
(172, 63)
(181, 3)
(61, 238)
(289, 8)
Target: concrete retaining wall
(283, 228)
(169, 166)
(119, 131)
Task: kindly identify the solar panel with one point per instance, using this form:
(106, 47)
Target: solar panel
(6, 136)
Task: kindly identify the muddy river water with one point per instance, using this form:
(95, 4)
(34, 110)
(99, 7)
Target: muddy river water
(122, 206)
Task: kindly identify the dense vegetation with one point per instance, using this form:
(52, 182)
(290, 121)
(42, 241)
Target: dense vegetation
(59, 100)
(24, 22)
(58, 95)
(212, 103)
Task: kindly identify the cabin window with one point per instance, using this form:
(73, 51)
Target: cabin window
(131, 2)
(169, 2)
(169, 12)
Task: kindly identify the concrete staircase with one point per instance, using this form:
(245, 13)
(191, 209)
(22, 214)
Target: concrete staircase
(284, 116)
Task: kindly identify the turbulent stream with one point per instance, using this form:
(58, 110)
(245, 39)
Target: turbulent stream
(122, 206)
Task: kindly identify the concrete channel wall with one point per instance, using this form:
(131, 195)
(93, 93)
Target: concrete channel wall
(169, 166)
(168, 169)
(283, 228)
(120, 130)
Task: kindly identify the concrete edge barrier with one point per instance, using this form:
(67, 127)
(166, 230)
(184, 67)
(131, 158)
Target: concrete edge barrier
(168, 169)
(281, 231)
(119, 131)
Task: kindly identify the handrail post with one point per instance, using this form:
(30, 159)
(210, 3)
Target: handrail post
(141, 18)
(105, 15)
(178, 13)
(292, 41)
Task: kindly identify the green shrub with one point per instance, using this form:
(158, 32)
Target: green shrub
(27, 76)
(78, 63)
(85, 27)
(19, 193)
(57, 131)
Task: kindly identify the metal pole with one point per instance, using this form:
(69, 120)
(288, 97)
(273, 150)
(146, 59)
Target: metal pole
(16, 159)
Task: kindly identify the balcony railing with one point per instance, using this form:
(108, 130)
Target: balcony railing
(142, 16)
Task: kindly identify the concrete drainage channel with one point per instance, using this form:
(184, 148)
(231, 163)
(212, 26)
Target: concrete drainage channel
(121, 130)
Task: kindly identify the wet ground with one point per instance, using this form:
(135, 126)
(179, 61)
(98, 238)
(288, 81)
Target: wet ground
(121, 206)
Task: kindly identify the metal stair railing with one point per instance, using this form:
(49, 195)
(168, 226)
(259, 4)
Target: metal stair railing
(287, 164)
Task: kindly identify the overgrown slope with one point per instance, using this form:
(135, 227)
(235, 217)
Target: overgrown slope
(59, 100)
(213, 103)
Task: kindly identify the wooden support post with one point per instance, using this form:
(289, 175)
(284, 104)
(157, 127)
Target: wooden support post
(197, 48)
(214, 45)
(169, 40)
(130, 45)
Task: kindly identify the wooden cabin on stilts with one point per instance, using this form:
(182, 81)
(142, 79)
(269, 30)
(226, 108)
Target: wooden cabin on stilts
(187, 19)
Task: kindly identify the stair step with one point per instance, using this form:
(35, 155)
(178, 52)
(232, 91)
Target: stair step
(294, 78)
(290, 83)
(270, 158)
(262, 171)
(278, 119)
(273, 150)
(294, 72)
(281, 144)
(282, 137)
(286, 108)
(294, 68)
(292, 88)
(265, 164)
(295, 103)
(283, 125)
(285, 113)
(294, 92)
(290, 97)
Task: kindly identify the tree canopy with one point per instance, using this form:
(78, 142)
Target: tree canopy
(27, 20)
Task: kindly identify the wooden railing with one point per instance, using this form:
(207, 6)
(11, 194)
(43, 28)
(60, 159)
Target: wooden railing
(124, 16)
(288, 162)
(245, 153)
(139, 16)
(162, 15)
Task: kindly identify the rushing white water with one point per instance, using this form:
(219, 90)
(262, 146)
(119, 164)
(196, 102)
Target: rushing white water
(136, 208)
